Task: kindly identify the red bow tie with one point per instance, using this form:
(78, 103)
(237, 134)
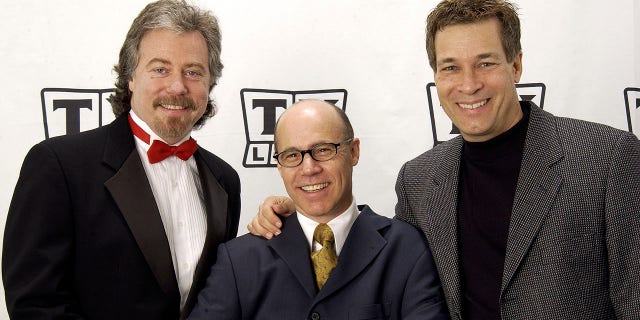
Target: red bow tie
(159, 150)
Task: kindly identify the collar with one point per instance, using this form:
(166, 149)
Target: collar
(340, 225)
(153, 136)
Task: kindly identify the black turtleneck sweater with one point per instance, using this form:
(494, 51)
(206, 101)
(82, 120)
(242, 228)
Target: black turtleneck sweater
(488, 178)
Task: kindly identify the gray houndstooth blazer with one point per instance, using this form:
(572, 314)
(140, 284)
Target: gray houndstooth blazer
(573, 250)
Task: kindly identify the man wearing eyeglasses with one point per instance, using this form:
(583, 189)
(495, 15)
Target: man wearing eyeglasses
(333, 260)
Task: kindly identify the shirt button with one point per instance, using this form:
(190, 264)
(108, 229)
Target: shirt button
(315, 316)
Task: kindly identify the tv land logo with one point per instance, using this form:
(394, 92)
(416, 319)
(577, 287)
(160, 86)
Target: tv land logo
(632, 105)
(70, 110)
(442, 127)
(66, 110)
(260, 110)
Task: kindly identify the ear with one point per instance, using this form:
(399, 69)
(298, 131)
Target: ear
(132, 84)
(517, 67)
(355, 151)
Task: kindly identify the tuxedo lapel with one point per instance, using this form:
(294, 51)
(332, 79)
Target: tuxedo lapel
(292, 247)
(215, 200)
(538, 185)
(361, 247)
(440, 209)
(132, 193)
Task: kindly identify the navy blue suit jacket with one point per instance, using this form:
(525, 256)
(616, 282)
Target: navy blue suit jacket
(385, 271)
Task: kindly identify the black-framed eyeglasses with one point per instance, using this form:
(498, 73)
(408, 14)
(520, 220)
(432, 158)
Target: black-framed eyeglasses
(320, 152)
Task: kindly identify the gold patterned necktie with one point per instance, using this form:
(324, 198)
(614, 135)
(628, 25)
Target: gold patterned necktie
(325, 259)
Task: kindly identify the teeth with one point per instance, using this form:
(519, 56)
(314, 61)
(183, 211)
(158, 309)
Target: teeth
(315, 187)
(473, 106)
(172, 107)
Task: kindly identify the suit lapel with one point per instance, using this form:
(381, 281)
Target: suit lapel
(131, 191)
(538, 185)
(440, 202)
(362, 246)
(292, 247)
(215, 199)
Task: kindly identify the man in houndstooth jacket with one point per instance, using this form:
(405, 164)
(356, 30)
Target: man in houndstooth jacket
(529, 216)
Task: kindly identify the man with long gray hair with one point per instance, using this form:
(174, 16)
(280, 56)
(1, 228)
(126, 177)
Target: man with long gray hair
(128, 228)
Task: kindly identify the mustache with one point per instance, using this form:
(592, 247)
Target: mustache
(185, 102)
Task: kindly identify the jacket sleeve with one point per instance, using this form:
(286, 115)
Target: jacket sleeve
(219, 299)
(622, 211)
(403, 209)
(423, 296)
(38, 242)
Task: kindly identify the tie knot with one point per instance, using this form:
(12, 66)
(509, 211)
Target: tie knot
(323, 235)
(159, 150)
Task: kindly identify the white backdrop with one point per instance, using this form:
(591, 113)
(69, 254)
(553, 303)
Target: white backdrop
(586, 53)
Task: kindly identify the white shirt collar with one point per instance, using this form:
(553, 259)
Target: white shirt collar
(153, 136)
(340, 225)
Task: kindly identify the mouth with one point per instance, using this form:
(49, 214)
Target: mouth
(175, 103)
(315, 187)
(172, 106)
(474, 105)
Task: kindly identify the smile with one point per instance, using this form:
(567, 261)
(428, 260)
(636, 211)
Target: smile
(473, 106)
(315, 187)
(172, 107)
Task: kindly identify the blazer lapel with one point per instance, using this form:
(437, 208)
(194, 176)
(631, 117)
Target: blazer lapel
(537, 187)
(292, 247)
(132, 193)
(363, 244)
(440, 209)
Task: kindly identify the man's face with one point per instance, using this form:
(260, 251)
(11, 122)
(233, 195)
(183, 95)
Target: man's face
(475, 82)
(320, 190)
(170, 86)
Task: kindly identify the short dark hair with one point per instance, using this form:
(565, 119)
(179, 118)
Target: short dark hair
(175, 15)
(451, 12)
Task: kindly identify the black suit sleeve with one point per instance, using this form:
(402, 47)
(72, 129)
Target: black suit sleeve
(38, 242)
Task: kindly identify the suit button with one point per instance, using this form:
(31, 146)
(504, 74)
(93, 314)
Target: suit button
(315, 316)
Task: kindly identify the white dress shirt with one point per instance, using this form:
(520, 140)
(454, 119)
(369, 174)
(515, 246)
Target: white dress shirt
(178, 192)
(340, 225)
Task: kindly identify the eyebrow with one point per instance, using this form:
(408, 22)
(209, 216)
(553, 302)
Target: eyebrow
(478, 57)
(158, 60)
(164, 61)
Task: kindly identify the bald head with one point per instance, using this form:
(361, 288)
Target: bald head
(314, 110)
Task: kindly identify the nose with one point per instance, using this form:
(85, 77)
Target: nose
(176, 85)
(470, 82)
(309, 165)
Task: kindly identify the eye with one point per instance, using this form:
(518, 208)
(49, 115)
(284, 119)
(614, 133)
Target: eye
(160, 70)
(322, 149)
(193, 74)
(291, 155)
(449, 68)
(486, 64)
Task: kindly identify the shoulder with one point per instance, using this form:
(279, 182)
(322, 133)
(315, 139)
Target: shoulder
(86, 144)
(244, 244)
(581, 137)
(215, 163)
(437, 152)
(393, 229)
(444, 153)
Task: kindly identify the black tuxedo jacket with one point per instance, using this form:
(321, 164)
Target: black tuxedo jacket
(84, 238)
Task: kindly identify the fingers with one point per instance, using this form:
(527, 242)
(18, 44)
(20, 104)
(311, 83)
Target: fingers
(267, 223)
(283, 206)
